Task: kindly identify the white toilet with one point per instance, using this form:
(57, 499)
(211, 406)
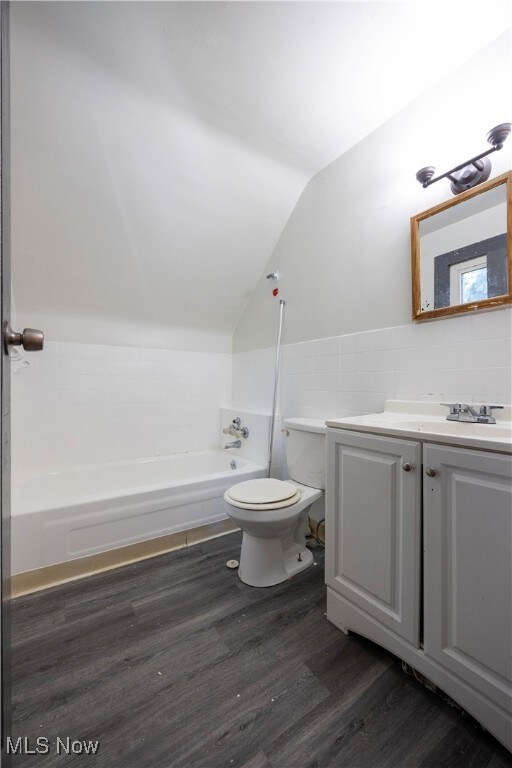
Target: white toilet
(273, 514)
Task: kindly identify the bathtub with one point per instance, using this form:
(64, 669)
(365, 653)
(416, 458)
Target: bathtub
(73, 513)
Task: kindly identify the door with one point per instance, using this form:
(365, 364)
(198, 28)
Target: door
(468, 567)
(32, 341)
(373, 521)
(5, 299)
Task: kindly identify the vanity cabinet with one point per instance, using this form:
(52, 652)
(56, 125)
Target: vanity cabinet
(468, 556)
(374, 560)
(419, 559)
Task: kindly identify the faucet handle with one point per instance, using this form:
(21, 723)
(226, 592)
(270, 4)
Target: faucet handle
(485, 410)
(454, 407)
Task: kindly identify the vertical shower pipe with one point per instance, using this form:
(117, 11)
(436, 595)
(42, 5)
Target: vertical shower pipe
(276, 380)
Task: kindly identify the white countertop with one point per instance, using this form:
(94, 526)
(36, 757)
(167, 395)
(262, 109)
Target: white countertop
(427, 421)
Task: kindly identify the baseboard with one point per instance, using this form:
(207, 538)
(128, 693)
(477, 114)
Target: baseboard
(60, 573)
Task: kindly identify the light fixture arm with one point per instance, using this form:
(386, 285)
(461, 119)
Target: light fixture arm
(469, 176)
(474, 161)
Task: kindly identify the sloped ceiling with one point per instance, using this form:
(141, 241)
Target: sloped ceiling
(158, 149)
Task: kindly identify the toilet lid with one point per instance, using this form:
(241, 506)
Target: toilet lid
(264, 507)
(263, 491)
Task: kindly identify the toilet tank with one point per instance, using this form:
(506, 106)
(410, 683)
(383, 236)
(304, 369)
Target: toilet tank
(305, 451)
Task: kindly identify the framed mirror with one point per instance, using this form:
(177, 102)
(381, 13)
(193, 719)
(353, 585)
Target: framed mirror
(462, 253)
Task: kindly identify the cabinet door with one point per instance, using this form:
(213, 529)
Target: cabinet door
(373, 522)
(468, 567)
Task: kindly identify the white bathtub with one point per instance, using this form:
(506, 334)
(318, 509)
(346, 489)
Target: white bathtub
(73, 513)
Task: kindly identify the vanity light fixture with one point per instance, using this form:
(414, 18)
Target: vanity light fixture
(471, 172)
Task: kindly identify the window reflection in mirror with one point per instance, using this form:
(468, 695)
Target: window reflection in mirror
(469, 281)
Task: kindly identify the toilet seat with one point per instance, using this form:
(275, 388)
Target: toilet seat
(263, 494)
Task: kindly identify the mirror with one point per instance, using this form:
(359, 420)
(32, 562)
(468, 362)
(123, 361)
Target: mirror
(461, 252)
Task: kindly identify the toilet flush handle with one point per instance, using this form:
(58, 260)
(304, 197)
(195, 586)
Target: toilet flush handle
(285, 431)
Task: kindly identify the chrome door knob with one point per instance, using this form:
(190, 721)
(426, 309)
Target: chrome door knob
(431, 472)
(30, 339)
(406, 466)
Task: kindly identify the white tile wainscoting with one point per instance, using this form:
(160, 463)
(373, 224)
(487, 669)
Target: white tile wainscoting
(460, 358)
(77, 404)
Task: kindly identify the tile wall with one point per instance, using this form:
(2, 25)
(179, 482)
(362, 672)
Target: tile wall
(463, 358)
(79, 404)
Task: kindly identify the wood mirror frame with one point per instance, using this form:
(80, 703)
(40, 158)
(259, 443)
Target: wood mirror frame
(495, 301)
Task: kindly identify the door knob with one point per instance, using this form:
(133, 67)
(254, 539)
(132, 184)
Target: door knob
(30, 339)
(431, 472)
(406, 466)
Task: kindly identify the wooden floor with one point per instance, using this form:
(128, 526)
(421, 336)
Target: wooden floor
(173, 662)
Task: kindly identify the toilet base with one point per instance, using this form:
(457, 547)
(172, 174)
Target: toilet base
(263, 563)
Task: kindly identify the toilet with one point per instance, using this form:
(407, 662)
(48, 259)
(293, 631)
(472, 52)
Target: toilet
(273, 514)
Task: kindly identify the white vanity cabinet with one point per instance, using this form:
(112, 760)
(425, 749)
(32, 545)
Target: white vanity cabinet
(374, 484)
(419, 559)
(467, 566)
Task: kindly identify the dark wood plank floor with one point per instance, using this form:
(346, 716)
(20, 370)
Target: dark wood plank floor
(174, 663)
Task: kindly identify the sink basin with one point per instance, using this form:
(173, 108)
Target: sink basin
(427, 421)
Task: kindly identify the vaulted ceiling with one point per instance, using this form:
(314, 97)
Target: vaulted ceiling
(158, 149)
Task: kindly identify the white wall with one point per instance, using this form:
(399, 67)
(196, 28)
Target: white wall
(158, 148)
(344, 255)
(130, 208)
(344, 260)
(102, 331)
(81, 404)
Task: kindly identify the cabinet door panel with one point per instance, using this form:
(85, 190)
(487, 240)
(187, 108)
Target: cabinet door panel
(373, 527)
(468, 567)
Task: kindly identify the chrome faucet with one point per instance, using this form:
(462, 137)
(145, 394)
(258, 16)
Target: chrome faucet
(234, 444)
(464, 412)
(235, 429)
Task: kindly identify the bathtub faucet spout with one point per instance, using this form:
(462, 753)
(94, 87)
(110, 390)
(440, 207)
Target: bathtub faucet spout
(234, 444)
